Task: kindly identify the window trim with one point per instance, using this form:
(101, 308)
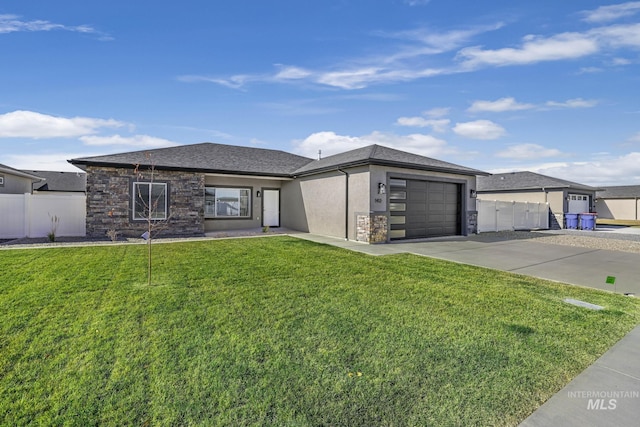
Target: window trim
(214, 216)
(134, 198)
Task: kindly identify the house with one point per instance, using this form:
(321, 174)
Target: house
(54, 182)
(14, 181)
(618, 202)
(563, 196)
(28, 210)
(372, 194)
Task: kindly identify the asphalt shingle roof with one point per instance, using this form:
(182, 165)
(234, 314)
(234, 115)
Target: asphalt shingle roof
(9, 169)
(206, 157)
(377, 154)
(525, 181)
(619, 192)
(220, 158)
(60, 181)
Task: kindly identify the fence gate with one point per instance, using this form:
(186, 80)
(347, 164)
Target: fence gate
(495, 215)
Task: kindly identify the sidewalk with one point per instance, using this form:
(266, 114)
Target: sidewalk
(605, 394)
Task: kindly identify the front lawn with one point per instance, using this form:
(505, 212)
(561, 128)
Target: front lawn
(281, 331)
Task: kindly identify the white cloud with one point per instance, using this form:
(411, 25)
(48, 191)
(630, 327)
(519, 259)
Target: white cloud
(331, 143)
(144, 141)
(616, 62)
(574, 103)
(635, 138)
(417, 2)
(292, 73)
(528, 151)
(612, 12)
(432, 42)
(479, 129)
(419, 49)
(599, 171)
(620, 170)
(534, 49)
(233, 82)
(13, 23)
(618, 36)
(437, 112)
(405, 62)
(590, 70)
(29, 124)
(47, 162)
(438, 125)
(500, 105)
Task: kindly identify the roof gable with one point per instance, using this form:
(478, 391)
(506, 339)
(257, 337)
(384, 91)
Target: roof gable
(526, 181)
(378, 154)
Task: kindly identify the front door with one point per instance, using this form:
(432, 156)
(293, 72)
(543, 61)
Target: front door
(271, 208)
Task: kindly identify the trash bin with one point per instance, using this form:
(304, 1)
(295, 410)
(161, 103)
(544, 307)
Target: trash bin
(571, 221)
(588, 221)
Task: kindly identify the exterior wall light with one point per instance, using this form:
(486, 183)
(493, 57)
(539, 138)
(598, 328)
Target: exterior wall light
(258, 193)
(382, 188)
(473, 193)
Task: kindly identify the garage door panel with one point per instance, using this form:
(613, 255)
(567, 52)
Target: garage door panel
(430, 208)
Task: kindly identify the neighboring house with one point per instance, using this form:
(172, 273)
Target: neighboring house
(14, 181)
(372, 194)
(563, 196)
(619, 202)
(59, 182)
(27, 209)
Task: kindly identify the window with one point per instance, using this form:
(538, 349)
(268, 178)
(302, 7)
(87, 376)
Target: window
(149, 200)
(221, 202)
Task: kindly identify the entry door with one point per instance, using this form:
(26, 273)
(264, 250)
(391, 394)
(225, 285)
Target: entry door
(271, 208)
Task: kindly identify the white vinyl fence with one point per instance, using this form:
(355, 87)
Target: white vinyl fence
(29, 215)
(501, 216)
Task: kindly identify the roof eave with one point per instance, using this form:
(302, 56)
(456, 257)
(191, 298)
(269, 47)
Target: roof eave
(79, 163)
(393, 164)
(21, 174)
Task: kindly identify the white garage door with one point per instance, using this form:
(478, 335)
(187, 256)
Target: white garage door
(578, 203)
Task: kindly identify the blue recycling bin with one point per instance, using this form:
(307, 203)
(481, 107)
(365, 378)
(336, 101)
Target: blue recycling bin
(588, 221)
(571, 221)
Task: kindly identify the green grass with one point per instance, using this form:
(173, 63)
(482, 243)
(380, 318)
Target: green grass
(281, 331)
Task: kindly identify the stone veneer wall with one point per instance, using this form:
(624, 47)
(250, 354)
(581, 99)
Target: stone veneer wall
(371, 228)
(109, 201)
(472, 222)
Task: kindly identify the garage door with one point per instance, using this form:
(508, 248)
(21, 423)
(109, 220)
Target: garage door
(578, 203)
(424, 209)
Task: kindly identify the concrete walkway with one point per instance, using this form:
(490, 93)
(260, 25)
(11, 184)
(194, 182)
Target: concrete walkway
(605, 394)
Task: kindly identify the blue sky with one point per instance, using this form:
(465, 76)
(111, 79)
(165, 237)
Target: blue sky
(547, 86)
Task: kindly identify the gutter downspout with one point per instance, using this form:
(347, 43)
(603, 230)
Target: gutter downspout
(346, 203)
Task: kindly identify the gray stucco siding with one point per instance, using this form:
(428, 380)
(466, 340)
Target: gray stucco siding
(13, 184)
(255, 185)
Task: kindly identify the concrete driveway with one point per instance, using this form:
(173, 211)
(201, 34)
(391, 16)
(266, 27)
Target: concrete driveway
(568, 264)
